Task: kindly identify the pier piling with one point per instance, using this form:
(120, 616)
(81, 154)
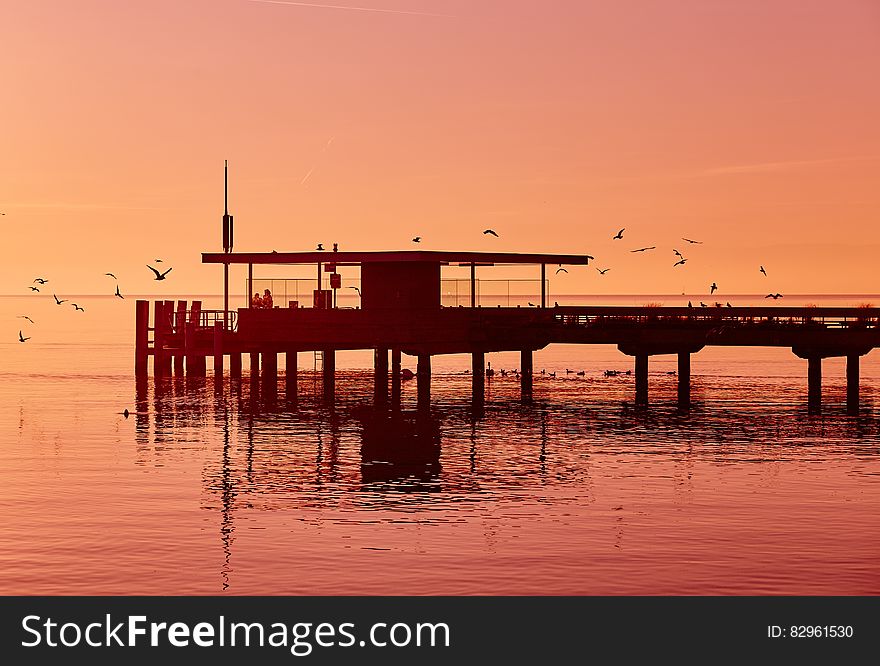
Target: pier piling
(142, 335)
(684, 379)
(270, 373)
(478, 377)
(641, 379)
(852, 384)
(395, 378)
(290, 374)
(525, 377)
(235, 365)
(380, 388)
(423, 379)
(255, 369)
(218, 351)
(179, 326)
(329, 375)
(814, 383)
(158, 339)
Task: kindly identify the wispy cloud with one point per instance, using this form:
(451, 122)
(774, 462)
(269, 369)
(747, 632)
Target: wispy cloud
(376, 10)
(762, 167)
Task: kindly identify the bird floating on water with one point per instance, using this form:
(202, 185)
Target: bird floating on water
(643, 249)
(619, 235)
(21, 338)
(59, 301)
(159, 276)
(490, 231)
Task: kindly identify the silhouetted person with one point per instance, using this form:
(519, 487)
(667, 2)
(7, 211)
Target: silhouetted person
(256, 301)
(267, 298)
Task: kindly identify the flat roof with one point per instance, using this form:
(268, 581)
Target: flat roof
(403, 256)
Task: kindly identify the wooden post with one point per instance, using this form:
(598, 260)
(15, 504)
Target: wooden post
(270, 373)
(329, 373)
(684, 379)
(852, 384)
(641, 379)
(255, 366)
(158, 339)
(478, 377)
(200, 362)
(423, 379)
(235, 365)
(543, 285)
(380, 373)
(473, 285)
(189, 346)
(395, 378)
(814, 383)
(290, 373)
(525, 376)
(141, 338)
(179, 334)
(218, 351)
(250, 294)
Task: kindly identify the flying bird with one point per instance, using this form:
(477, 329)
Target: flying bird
(692, 241)
(25, 317)
(602, 271)
(76, 307)
(59, 301)
(35, 289)
(417, 239)
(21, 338)
(678, 254)
(680, 262)
(117, 294)
(41, 280)
(773, 296)
(490, 231)
(763, 271)
(712, 288)
(642, 249)
(320, 247)
(619, 234)
(159, 276)
(561, 270)
(111, 275)
(158, 261)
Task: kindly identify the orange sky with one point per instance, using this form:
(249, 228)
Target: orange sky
(750, 125)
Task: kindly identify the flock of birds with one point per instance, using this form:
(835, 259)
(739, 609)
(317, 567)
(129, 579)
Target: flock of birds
(40, 282)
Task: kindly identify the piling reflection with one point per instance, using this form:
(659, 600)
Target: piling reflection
(400, 450)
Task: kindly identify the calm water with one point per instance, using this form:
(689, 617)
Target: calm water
(202, 492)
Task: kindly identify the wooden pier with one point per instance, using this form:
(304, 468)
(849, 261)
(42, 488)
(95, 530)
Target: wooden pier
(401, 313)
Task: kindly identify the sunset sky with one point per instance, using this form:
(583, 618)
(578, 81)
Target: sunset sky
(749, 125)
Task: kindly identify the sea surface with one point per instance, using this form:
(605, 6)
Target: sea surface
(200, 491)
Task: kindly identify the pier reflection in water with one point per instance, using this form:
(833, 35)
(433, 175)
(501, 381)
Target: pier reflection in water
(574, 493)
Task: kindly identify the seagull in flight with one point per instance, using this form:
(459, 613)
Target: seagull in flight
(619, 234)
(696, 242)
(158, 261)
(763, 271)
(117, 294)
(773, 296)
(41, 280)
(25, 317)
(561, 270)
(643, 249)
(59, 301)
(712, 288)
(680, 262)
(21, 338)
(602, 271)
(320, 247)
(677, 253)
(417, 239)
(159, 276)
(490, 231)
(35, 289)
(111, 275)
(76, 307)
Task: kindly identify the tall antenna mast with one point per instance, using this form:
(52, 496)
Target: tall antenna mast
(227, 218)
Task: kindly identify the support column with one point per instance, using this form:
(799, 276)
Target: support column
(525, 376)
(270, 373)
(141, 337)
(158, 339)
(478, 377)
(684, 379)
(814, 383)
(423, 379)
(395, 378)
(235, 365)
(290, 373)
(380, 388)
(255, 370)
(641, 379)
(852, 384)
(329, 374)
(543, 285)
(189, 346)
(218, 351)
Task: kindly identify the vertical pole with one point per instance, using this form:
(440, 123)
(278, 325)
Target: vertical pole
(478, 377)
(329, 374)
(852, 384)
(226, 295)
(250, 294)
(270, 373)
(168, 330)
(290, 377)
(380, 388)
(180, 334)
(218, 351)
(814, 383)
(473, 285)
(684, 379)
(395, 378)
(189, 346)
(235, 365)
(641, 379)
(423, 379)
(158, 339)
(319, 282)
(141, 338)
(255, 369)
(543, 285)
(525, 377)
